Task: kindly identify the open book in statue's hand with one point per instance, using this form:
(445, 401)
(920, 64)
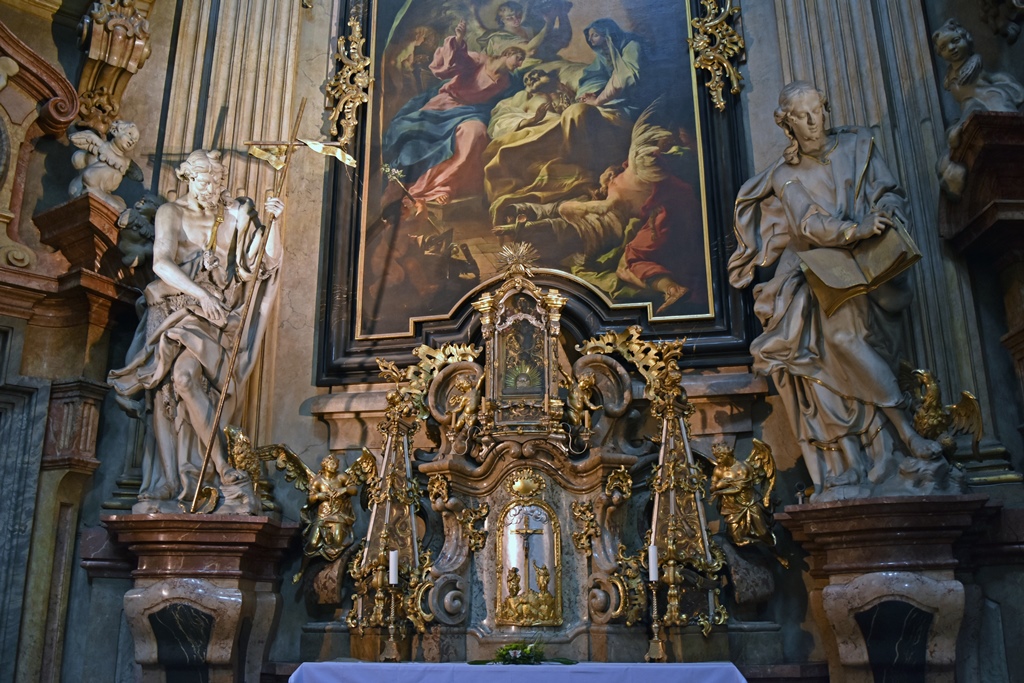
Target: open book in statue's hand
(837, 274)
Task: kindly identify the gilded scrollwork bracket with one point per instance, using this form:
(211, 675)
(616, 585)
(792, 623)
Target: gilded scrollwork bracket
(583, 513)
(714, 43)
(349, 88)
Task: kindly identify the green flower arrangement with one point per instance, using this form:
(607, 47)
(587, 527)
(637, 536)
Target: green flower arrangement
(522, 653)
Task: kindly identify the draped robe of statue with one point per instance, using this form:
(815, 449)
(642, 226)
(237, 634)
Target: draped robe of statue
(176, 347)
(833, 374)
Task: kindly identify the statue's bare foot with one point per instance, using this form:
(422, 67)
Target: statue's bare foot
(162, 492)
(846, 478)
(233, 476)
(924, 449)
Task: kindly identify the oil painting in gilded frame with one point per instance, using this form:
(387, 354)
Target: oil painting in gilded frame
(578, 126)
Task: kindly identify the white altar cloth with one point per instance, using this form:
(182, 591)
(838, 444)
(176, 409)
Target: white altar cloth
(589, 672)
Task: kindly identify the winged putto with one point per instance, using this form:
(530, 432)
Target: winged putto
(743, 492)
(328, 513)
(103, 163)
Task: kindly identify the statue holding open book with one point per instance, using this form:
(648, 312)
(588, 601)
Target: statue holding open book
(831, 219)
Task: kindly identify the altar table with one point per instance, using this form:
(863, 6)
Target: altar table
(591, 672)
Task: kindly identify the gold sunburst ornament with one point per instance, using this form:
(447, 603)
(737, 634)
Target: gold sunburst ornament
(714, 43)
(517, 259)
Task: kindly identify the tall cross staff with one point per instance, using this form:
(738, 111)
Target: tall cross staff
(233, 358)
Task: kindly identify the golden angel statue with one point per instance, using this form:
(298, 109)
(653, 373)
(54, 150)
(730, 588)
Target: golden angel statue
(578, 405)
(328, 513)
(743, 492)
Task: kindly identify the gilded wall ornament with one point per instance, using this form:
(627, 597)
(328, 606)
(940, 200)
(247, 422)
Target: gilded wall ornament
(714, 44)
(349, 88)
(583, 513)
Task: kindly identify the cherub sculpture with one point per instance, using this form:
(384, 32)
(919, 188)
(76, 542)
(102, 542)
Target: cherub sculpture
(932, 420)
(466, 404)
(328, 513)
(136, 233)
(742, 490)
(102, 164)
(577, 401)
(974, 88)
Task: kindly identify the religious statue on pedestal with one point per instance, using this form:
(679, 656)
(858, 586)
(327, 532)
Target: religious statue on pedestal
(829, 216)
(975, 89)
(206, 256)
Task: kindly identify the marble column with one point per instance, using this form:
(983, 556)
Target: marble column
(206, 592)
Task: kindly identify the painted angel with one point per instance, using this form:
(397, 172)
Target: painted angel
(102, 164)
(328, 513)
(742, 490)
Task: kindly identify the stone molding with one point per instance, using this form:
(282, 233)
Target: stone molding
(57, 98)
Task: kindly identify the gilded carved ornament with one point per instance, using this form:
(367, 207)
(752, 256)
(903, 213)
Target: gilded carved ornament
(714, 44)
(349, 88)
(528, 556)
(689, 561)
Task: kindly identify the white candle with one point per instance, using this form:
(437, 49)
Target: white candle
(393, 568)
(652, 562)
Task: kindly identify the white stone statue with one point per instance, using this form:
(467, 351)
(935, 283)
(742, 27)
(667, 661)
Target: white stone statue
(204, 257)
(836, 375)
(974, 89)
(102, 164)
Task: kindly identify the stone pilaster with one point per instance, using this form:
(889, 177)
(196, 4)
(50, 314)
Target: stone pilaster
(69, 460)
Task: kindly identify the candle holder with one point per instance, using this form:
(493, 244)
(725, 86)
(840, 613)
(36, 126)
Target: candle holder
(655, 647)
(390, 652)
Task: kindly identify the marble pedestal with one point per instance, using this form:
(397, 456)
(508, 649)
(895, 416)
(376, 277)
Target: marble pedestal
(206, 593)
(884, 595)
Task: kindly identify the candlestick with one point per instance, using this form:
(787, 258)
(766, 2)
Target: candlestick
(655, 648)
(390, 652)
(393, 568)
(652, 563)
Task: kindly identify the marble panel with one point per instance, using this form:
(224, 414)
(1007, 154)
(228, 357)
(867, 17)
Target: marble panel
(23, 408)
(915, 637)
